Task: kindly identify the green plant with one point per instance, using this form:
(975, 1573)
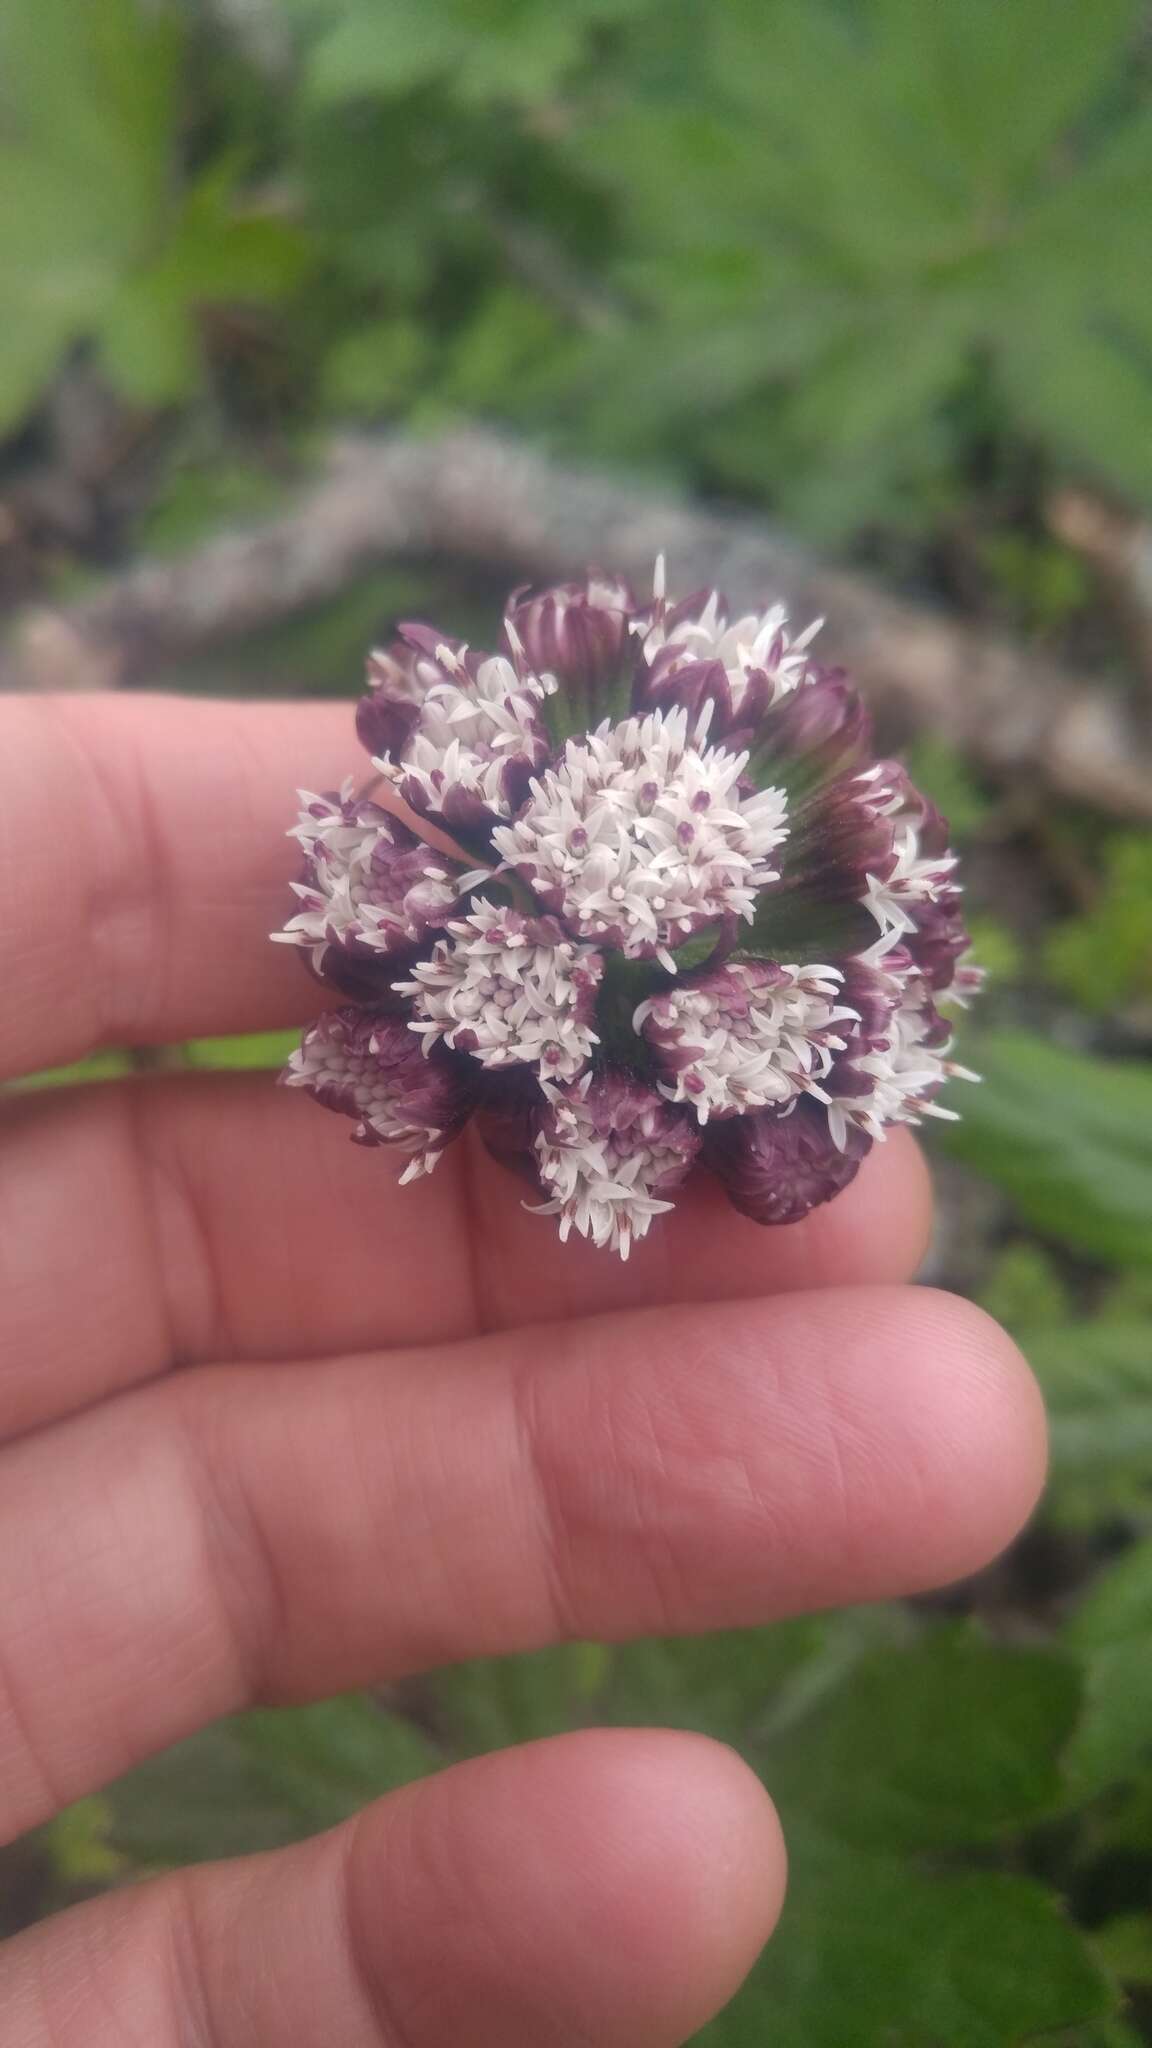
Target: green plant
(1103, 958)
(105, 235)
(923, 1774)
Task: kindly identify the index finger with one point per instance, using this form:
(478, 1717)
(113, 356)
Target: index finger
(144, 850)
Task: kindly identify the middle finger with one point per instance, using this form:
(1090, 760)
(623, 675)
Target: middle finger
(284, 1532)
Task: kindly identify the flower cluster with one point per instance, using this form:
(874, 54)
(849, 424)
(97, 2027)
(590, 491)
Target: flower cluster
(686, 918)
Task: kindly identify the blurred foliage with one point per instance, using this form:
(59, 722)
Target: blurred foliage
(110, 239)
(880, 269)
(1069, 1137)
(827, 253)
(1103, 959)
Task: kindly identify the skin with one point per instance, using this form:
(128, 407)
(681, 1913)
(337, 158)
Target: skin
(271, 1427)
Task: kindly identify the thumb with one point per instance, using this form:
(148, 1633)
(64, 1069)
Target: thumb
(610, 1887)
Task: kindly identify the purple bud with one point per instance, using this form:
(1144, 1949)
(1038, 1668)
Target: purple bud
(777, 1168)
(674, 682)
(367, 1065)
(839, 837)
(579, 633)
(940, 940)
(824, 724)
(456, 731)
(399, 677)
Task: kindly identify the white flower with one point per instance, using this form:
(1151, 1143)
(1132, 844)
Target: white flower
(510, 991)
(473, 723)
(915, 876)
(606, 1154)
(748, 1036)
(906, 1070)
(370, 883)
(759, 643)
(640, 835)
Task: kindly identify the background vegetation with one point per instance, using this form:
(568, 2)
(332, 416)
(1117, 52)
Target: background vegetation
(880, 270)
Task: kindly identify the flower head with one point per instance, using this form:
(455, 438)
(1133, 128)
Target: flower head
(367, 1067)
(461, 730)
(688, 918)
(609, 1152)
(640, 835)
(368, 885)
(510, 990)
(745, 1036)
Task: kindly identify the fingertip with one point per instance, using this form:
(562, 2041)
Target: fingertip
(697, 1853)
(989, 1452)
(613, 1886)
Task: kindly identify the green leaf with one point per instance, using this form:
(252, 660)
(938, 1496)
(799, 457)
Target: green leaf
(876, 381)
(96, 237)
(943, 773)
(727, 1685)
(487, 49)
(217, 251)
(997, 949)
(87, 97)
(1127, 1299)
(1119, 1605)
(946, 1742)
(1112, 1629)
(1026, 1292)
(1089, 396)
(327, 1761)
(78, 1843)
(1124, 1946)
(199, 1801)
(1069, 1137)
(1097, 1380)
(965, 57)
(872, 1952)
(202, 493)
(1104, 959)
(375, 366)
(263, 1780)
(494, 1702)
(511, 332)
(369, 51)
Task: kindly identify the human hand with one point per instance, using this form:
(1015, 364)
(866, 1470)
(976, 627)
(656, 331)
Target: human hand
(273, 1427)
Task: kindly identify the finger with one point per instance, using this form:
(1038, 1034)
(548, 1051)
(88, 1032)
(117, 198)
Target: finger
(142, 841)
(609, 1887)
(235, 1221)
(280, 1533)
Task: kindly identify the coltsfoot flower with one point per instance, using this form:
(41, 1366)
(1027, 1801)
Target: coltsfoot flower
(608, 1152)
(688, 920)
(367, 1066)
